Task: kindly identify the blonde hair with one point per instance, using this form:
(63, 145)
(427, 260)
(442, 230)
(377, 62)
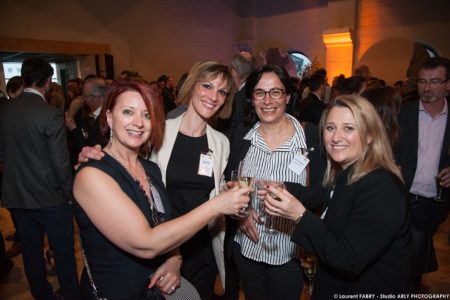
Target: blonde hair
(376, 154)
(205, 71)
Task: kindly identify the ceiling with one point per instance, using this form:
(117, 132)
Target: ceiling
(50, 57)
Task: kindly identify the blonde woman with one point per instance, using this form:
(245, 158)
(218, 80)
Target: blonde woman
(362, 239)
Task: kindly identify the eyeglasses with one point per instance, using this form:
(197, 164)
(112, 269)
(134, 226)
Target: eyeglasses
(433, 82)
(274, 93)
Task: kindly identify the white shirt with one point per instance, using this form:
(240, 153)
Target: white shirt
(33, 91)
(431, 138)
(273, 249)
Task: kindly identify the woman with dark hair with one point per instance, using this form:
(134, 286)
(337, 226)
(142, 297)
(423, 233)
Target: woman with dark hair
(122, 208)
(268, 142)
(387, 101)
(362, 239)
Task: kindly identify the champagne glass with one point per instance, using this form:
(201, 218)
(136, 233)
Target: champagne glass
(438, 197)
(269, 220)
(260, 186)
(309, 262)
(235, 177)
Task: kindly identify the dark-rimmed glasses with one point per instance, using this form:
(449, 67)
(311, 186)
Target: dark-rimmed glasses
(274, 93)
(434, 81)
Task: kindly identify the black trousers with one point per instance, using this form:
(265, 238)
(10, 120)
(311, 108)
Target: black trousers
(203, 279)
(262, 281)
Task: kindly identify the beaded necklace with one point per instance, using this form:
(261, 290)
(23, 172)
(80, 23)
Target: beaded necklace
(157, 217)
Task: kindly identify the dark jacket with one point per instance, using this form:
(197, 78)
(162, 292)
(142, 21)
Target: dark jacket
(33, 149)
(311, 109)
(425, 217)
(363, 243)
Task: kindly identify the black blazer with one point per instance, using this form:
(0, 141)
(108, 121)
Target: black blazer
(363, 243)
(424, 220)
(407, 147)
(311, 109)
(33, 149)
(92, 128)
(237, 114)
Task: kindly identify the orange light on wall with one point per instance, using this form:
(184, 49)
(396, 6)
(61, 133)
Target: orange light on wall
(339, 52)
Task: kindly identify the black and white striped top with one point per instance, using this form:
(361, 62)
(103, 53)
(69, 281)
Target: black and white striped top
(273, 249)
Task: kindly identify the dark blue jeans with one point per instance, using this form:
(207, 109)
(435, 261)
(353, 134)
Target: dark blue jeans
(57, 222)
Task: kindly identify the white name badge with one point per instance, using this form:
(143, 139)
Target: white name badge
(205, 167)
(157, 200)
(298, 164)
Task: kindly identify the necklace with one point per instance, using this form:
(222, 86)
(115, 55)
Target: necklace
(156, 217)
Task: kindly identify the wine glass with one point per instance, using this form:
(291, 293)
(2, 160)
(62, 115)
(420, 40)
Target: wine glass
(269, 220)
(235, 177)
(438, 197)
(309, 262)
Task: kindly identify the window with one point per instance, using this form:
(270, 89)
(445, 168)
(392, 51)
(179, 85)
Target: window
(13, 69)
(301, 61)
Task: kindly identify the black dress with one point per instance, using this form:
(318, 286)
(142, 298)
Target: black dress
(187, 190)
(116, 273)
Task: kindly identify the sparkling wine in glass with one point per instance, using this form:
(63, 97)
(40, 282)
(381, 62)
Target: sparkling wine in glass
(269, 220)
(242, 182)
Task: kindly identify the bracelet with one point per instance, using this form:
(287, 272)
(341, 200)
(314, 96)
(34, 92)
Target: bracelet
(300, 217)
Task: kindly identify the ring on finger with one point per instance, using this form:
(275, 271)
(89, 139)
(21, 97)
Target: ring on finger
(172, 289)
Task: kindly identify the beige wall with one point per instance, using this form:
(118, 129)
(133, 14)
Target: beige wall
(156, 37)
(299, 30)
(388, 30)
(151, 37)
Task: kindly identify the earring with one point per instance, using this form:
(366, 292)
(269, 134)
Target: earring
(110, 136)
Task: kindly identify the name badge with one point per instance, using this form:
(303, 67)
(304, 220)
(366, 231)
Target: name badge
(157, 200)
(205, 167)
(299, 163)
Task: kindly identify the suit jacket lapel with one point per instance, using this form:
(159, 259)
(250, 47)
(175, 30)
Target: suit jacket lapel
(445, 152)
(414, 125)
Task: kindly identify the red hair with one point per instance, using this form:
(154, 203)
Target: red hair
(152, 100)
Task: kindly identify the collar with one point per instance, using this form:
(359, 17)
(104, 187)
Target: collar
(296, 143)
(97, 112)
(33, 91)
(318, 97)
(443, 112)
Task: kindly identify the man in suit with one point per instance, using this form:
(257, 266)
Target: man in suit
(167, 92)
(37, 180)
(241, 67)
(423, 154)
(311, 107)
(84, 128)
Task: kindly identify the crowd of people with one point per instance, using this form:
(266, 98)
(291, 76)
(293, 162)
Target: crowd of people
(146, 169)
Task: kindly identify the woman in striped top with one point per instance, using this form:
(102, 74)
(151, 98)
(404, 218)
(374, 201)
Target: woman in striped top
(267, 145)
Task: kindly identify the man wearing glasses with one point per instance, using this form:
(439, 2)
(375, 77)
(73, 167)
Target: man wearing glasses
(423, 154)
(84, 128)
